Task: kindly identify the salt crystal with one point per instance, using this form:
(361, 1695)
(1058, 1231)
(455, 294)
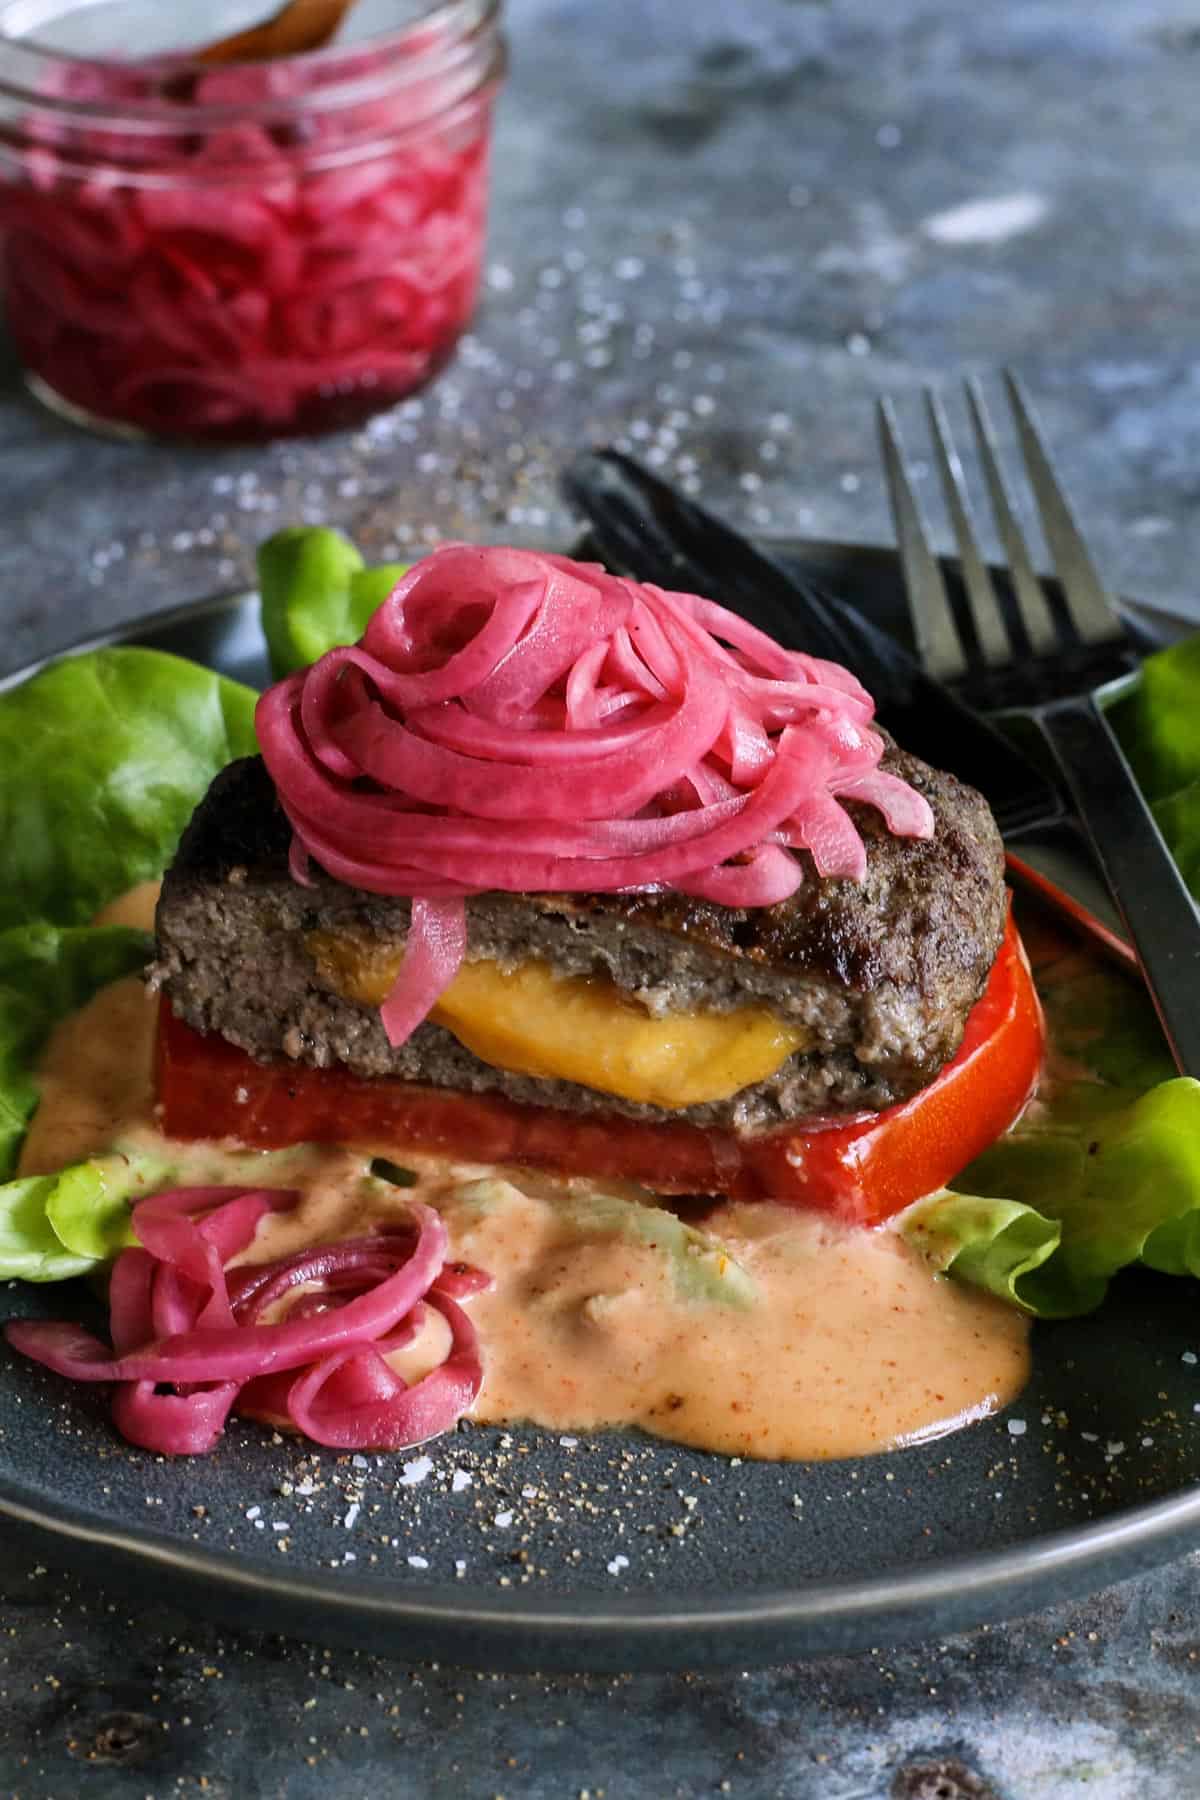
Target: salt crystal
(617, 1564)
(418, 1562)
(503, 1520)
(1016, 1428)
(415, 1472)
(459, 1480)
(351, 1518)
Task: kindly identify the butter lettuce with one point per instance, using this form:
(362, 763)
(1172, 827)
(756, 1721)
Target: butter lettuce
(1159, 721)
(88, 1205)
(56, 1226)
(1103, 1172)
(315, 593)
(30, 1248)
(46, 972)
(102, 759)
(701, 1268)
(1178, 818)
(1158, 724)
(53, 1227)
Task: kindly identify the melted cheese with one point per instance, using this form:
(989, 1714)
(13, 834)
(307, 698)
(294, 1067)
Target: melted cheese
(532, 1021)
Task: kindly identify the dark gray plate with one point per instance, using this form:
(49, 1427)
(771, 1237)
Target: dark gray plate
(615, 1552)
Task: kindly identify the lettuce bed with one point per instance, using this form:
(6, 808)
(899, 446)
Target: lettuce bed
(103, 757)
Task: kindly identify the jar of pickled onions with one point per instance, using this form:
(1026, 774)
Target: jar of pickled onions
(234, 252)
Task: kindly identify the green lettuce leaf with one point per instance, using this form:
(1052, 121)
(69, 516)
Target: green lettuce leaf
(993, 1244)
(30, 1248)
(1158, 724)
(1126, 1191)
(1159, 721)
(1178, 818)
(55, 1226)
(89, 1204)
(47, 972)
(1102, 1172)
(102, 759)
(702, 1269)
(316, 593)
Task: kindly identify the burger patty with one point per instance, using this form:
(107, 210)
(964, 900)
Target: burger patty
(881, 973)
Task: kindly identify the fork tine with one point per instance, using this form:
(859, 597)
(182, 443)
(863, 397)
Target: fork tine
(1090, 607)
(985, 609)
(1031, 601)
(937, 637)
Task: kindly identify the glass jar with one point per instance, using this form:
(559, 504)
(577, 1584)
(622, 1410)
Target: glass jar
(243, 251)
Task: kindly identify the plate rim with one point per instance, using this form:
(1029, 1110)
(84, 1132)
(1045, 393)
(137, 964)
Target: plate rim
(587, 1630)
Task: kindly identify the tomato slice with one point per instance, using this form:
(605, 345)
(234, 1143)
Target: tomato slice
(865, 1170)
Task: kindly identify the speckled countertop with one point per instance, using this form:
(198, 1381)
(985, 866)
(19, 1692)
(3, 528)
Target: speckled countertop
(718, 233)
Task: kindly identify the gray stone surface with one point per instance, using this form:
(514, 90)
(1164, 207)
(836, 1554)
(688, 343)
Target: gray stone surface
(720, 231)
(114, 1704)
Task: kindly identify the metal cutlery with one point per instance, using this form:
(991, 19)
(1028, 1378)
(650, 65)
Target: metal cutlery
(1057, 664)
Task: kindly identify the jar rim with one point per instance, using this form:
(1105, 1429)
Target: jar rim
(466, 31)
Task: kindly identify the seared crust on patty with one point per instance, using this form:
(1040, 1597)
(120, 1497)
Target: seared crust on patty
(882, 973)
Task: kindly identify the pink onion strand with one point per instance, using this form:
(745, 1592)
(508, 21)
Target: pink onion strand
(189, 1345)
(514, 721)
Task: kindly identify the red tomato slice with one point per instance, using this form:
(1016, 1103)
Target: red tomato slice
(864, 1171)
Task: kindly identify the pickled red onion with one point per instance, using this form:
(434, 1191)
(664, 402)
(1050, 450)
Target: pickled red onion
(179, 1316)
(172, 266)
(517, 722)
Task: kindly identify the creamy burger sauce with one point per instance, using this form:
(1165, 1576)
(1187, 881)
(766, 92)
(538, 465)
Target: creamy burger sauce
(847, 1345)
